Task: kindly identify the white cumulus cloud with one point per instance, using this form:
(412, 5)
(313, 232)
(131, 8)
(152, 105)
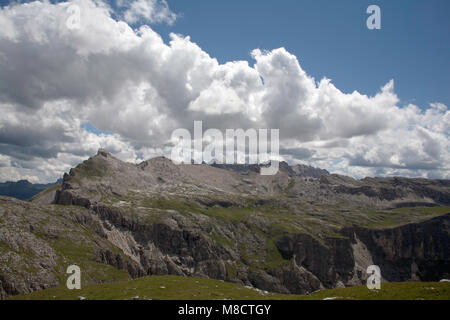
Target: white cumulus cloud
(133, 84)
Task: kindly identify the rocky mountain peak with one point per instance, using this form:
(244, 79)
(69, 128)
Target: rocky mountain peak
(103, 153)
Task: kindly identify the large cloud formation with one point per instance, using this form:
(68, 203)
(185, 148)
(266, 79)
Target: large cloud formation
(129, 82)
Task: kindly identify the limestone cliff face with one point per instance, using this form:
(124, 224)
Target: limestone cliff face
(417, 251)
(413, 251)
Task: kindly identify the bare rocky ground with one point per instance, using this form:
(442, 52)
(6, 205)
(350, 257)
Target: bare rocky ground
(295, 232)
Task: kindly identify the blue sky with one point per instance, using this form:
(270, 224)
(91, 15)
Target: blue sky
(331, 40)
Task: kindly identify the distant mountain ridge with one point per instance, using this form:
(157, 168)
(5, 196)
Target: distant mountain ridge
(23, 189)
(298, 170)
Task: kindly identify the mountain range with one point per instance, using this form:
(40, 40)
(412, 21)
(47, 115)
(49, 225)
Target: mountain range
(23, 189)
(299, 231)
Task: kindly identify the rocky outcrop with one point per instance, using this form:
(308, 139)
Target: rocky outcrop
(119, 262)
(308, 171)
(67, 198)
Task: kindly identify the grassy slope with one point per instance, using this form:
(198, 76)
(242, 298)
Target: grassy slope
(46, 191)
(184, 288)
(303, 217)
